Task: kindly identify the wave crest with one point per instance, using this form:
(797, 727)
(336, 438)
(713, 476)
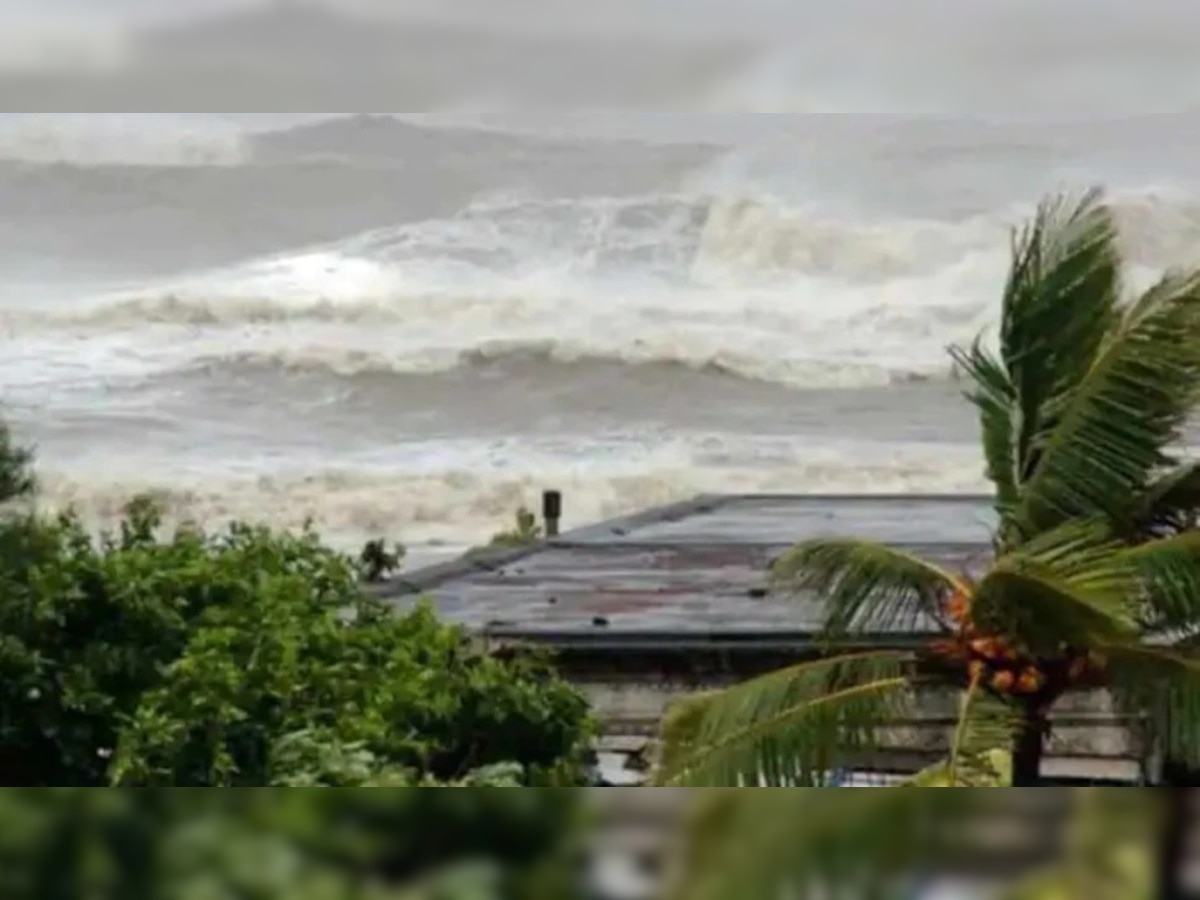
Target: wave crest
(738, 285)
(462, 507)
(550, 355)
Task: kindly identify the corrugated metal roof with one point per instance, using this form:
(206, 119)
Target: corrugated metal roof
(693, 569)
(785, 518)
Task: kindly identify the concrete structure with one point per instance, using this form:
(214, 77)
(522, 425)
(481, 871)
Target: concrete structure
(642, 609)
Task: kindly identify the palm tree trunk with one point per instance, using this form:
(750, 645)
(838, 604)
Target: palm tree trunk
(1028, 749)
(1173, 839)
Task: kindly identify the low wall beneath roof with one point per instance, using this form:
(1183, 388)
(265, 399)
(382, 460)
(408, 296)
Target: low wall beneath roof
(1089, 739)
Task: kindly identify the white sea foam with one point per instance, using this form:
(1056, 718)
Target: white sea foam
(473, 491)
(742, 285)
(737, 284)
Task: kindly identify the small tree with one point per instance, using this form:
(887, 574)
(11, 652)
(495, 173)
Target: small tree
(526, 531)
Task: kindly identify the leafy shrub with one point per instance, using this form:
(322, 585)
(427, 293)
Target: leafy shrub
(197, 660)
(525, 531)
(251, 658)
(377, 561)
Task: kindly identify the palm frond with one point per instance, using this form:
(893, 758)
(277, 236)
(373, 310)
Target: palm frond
(1062, 293)
(980, 751)
(786, 729)
(1060, 302)
(1068, 587)
(1112, 431)
(1169, 570)
(995, 397)
(1170, 504)
(865, 587)
(1162, 684)
(682, 730)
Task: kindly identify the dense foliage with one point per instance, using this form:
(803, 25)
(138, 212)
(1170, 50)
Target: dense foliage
(251, 658)
(198, 659)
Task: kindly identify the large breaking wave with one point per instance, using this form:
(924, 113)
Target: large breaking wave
(745, 286)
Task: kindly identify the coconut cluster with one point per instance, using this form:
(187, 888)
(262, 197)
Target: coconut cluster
(1006, 668)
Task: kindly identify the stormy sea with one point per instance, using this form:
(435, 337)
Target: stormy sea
(632, 251)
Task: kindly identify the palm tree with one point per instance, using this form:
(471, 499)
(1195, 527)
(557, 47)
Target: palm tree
(1094, 579)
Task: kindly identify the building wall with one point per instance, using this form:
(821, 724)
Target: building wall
(1089, 739)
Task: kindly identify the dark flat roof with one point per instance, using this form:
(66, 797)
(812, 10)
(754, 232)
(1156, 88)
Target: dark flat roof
(691, 572)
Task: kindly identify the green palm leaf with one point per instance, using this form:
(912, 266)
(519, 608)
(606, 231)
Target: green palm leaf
(1062, 293)
(1060, 303)
(1170, 585)
(995, 396)
(979, 751)
(1077, 585)
(1072, 586)
(1162, 685)
(866, 587)
(786, 729)
(1169, 504)
(1110, 430)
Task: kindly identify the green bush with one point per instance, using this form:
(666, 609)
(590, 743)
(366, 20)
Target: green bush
(525, 532)
(250, 658)
(212, 660)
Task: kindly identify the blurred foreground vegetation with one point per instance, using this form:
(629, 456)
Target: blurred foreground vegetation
(270, 844)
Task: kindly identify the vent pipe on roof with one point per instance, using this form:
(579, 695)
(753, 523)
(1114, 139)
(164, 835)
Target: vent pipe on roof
(552, 512)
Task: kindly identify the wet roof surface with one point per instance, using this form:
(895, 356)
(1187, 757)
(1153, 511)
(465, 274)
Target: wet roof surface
(692, 569)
